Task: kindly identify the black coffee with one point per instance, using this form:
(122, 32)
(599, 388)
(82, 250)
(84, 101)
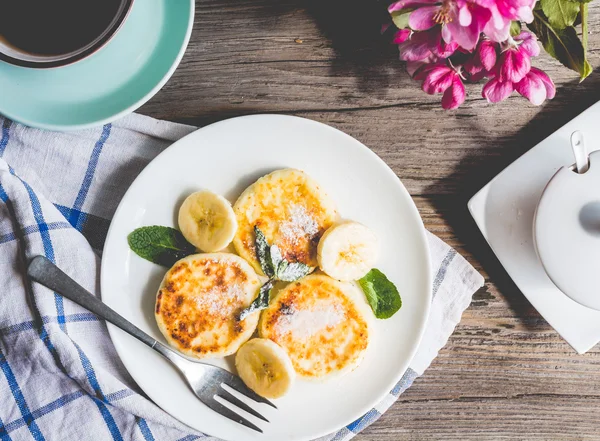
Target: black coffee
(54, 27)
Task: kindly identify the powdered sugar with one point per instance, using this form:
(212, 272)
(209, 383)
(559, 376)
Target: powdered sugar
(305, 323)
(222, 300)
(300, 224)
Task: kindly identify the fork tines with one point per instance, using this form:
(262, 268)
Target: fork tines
(237, 385)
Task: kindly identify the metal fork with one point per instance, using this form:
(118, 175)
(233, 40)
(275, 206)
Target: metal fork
(205, 380)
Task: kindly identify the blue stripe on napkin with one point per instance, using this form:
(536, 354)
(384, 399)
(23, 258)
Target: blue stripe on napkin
(20, 399)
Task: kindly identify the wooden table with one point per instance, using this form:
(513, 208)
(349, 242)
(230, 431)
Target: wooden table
(505, 373)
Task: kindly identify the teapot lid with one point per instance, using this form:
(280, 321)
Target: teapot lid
(567, 228)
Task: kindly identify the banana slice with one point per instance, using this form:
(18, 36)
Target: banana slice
(207, 221)
(347, 251)
(265, 367)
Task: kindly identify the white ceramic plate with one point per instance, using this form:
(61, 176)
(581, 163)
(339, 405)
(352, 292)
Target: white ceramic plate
(226, 157)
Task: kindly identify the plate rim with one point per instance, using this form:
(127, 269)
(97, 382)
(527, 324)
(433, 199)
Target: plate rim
(115, 333)
(136, 105)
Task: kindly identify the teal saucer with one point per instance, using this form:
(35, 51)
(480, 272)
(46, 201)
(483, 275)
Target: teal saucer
(109, 84)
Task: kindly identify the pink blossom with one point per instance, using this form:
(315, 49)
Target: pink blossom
(515, 60)
(498, 27)
(448, 42)
(516, 9)
(462, 21)
(454, 96)
(441, 78)
(502, 13)
(536, 86)
(483, 60)
(495, 90)
(401, 36)
(528, 43)
(513, 65)
(423, 45)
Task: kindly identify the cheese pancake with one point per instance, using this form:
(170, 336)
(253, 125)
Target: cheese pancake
(199, 302)
(321, 324)
(290, 209)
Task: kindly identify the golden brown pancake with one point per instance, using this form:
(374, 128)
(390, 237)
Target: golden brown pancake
(290, 209)
(199, 301)
(321, 324)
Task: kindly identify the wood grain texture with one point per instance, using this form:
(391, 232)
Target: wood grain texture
(504, 374)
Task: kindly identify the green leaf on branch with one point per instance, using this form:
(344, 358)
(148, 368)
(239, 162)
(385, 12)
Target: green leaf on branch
(560, 13)
(583, 8)
(580, 1)
(515, 28)
(562, 44)
(587, 70)
(400, 18)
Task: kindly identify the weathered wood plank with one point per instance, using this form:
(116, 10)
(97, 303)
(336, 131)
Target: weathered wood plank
(505, 374)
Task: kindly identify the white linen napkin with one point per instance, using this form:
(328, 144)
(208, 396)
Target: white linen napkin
(60, 377)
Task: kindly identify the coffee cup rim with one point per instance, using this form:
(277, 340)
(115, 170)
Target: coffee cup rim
(81, 53)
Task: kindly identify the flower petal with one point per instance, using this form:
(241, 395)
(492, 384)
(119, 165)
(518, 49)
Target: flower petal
(422, 19)
(479, 76)
(439, 47)
(468, 36)
(454, 96)
(464, 16)
(446, 35)
(487, 54)
(415, 68)
(525, 14)
(438, 80)
(532, 88)
(495, 90)
(528, 44)
(548, 83)
(422, 72)
(401, 36)
(498, 28)
(472, 66)
(514, 65)
(416, 48)
(398, 6)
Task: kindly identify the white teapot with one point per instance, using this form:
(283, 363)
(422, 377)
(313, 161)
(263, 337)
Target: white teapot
(566, 227)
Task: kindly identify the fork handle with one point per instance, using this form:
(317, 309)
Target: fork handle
(48, 274)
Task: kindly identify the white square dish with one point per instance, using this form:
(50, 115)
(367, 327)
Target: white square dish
(504, 211)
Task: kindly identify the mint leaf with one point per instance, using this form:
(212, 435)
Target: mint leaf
(260, 302)
(560, 13)
(276, 258)
(562, 44)
(400, 18)
(263, 253)
(381, 294)
(161, 245)
(515, 28)
(290, 272)
(275, 267)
